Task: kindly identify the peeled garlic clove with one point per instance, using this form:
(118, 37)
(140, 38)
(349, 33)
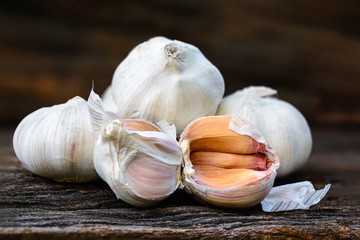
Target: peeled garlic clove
(255, 161)
(142, 167)
(227, 162)
(57, 142)
(163, 79)
(283, 126)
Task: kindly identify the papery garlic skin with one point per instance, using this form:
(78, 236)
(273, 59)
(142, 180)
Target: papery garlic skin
(57, 142)
(208, 180)
(163, 79)
(108, 100)
(283, 126)
(141, 167)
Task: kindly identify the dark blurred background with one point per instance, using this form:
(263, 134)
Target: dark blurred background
(309, 51)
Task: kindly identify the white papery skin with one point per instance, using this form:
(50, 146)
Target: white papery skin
(163, 79)
(283, 126)
(107, 100)
(57, 142)
(141, 167)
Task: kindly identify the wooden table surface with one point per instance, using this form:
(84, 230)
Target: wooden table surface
(32, 207)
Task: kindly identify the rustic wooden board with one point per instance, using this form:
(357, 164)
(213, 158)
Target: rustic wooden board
(32, 207)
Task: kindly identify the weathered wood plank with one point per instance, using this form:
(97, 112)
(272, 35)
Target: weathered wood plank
(33, 207)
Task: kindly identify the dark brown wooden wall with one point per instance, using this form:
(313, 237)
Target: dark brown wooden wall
(51, 51)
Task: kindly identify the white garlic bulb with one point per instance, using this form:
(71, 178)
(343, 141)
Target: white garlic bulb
(163, 79)
(142, 167)
(283, 126)
(57, 142)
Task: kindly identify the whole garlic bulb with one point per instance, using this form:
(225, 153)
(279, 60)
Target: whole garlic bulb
(283, 126)
(139, 163)
(57, 142)
(163, 79)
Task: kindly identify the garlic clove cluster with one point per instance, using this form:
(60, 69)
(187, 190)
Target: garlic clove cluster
(57, 142)
(163, 79)
(283, 126)
(227, 162)
(141, 166)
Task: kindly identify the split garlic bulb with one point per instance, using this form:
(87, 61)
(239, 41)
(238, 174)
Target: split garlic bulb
(139, 163)
(227, 162)
(163, 79)
(283, 126)
(57, 142)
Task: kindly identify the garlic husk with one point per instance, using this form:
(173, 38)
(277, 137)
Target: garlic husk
(283, 126)
(300, 195)
(167, 128)
(108, 100)
(57, 142)
(228, 136)
(141, 167)
(163, 79)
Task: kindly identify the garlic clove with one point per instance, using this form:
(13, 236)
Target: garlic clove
(232, 167)
(213, 134)
(163, 79)
(255, 161)
(283, 126)
(57, 142)
(220, 178)
(141, 167)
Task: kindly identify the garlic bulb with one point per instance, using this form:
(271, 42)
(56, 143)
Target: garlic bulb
(139, 163)
(164, 79)
(227, 162)
(283, 126)
(57, 142)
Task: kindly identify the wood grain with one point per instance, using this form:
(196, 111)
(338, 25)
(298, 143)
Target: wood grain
(33, 207)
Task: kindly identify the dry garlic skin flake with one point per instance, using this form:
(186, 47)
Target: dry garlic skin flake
(227, 162)
(163, 79)
(283, 126)
(57, 142)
